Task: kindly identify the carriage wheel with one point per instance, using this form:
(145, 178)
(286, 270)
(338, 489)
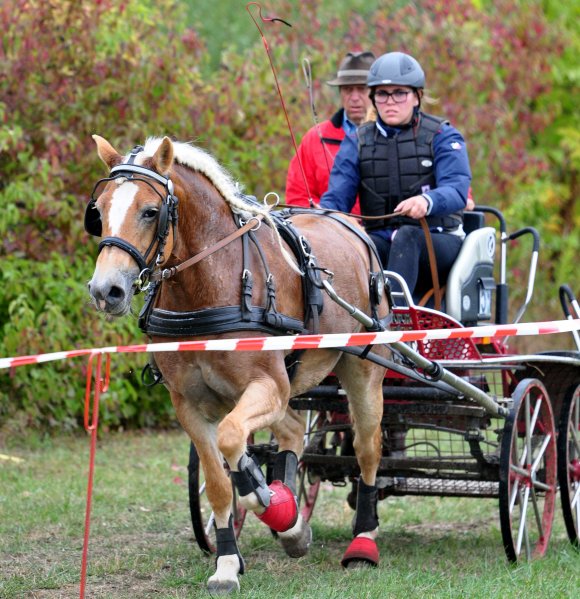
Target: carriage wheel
(202, 517)
(527, 487)
(569, 462)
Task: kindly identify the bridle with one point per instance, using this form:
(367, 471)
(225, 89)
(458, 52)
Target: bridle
(167, 218)
(153, 256)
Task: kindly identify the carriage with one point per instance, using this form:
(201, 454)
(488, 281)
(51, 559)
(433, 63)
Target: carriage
(432, 415)
(451, 441)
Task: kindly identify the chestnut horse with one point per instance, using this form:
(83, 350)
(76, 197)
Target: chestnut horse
(204, 269)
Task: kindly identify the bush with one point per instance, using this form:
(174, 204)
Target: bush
(129, 69)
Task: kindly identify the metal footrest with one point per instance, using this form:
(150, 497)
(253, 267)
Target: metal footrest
(438, 487)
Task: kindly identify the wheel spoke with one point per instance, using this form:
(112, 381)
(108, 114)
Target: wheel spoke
(541, 452)
(209, 524)
(575, 437)
(523, 529)
(575, 499)
(533, 423)
(527, 528)
(537, 513)
(542, 486)
(530, 426)
(514, 495)
(515, 490)
(528, 546)
(534, 419)
(520, 471)
(527, 438)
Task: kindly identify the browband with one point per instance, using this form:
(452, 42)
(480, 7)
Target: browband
(141, 170)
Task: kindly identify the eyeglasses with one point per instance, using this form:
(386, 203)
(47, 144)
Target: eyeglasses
(399, 96)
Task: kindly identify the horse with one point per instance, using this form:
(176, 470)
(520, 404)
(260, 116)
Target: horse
(217, 264)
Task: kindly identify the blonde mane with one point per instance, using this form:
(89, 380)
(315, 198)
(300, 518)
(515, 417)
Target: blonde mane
(204, 163)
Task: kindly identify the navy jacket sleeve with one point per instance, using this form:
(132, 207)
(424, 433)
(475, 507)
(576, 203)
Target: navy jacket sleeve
(344, 177)
(452, 172)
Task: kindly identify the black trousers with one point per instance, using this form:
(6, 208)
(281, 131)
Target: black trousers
(407, 255)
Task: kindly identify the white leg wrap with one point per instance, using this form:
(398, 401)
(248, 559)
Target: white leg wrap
(295, 532)
(225, 579)
(252, 503)
(296, 540)
(372, 535)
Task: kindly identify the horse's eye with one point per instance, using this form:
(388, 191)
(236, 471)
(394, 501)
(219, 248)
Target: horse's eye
(150, 213)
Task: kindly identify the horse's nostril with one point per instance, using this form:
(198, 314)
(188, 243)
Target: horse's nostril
(107, 297)
(116, 294)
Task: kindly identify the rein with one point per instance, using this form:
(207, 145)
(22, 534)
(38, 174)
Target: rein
(161, 275)
(437, 292)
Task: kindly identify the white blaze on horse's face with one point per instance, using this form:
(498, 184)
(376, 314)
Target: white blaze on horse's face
(116, 271)
(121, 201)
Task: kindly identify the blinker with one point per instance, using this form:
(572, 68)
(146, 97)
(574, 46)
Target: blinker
(93, 224)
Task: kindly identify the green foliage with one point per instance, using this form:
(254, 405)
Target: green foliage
(505, 72)
(141, 539)
(107, 74)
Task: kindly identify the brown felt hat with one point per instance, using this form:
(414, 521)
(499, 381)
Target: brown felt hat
(353, 69)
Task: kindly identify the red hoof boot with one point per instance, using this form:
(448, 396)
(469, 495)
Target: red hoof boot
(282, 512)
(362, 551)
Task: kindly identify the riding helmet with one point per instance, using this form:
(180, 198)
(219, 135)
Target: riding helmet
(396, 68)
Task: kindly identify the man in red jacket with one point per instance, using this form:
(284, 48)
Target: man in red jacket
(321, 143)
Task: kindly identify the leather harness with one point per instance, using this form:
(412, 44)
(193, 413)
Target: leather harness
(223, 319)
(246, 316)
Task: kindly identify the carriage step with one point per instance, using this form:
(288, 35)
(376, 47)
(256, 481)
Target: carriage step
(437, 487)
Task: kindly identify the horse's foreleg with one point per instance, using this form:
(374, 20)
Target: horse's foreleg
(218, 488)
(262, 404)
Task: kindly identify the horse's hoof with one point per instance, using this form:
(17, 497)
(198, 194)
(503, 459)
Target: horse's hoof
(223, 587)
(296, 541)
(358, 564)
(282, 513)
(360, 553)
(225, 580)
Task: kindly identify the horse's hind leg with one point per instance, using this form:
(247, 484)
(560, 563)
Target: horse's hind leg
(218, 488)
(363, 383)
(289, 433)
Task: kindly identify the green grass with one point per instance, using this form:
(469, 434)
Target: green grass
(142, 545)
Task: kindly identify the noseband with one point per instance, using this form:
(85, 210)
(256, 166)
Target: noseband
(167, 216)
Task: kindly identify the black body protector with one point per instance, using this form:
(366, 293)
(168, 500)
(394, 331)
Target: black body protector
(396, 168)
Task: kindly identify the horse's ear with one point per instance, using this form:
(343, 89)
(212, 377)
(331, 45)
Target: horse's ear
(106, 152)
(163, 158)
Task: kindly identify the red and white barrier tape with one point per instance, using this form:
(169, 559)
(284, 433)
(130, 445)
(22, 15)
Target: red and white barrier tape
(311, 341)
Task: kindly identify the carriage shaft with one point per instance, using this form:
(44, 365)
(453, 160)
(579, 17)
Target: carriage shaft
(461, 385)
